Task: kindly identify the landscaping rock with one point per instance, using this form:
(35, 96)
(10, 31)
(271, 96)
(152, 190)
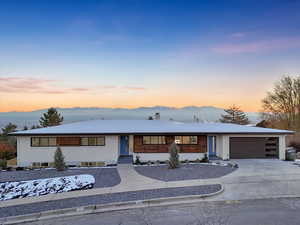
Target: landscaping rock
(185, 172)
(105, 177)
(22, 189)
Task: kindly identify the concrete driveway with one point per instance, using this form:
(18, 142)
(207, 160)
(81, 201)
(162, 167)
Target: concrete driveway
(265, 167)
(261, 178)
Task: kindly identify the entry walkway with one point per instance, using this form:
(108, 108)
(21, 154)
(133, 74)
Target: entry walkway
(253, 179)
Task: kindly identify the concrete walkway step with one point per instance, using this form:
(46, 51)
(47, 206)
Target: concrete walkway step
(125, 159)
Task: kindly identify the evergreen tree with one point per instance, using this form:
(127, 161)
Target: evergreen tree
(234, 115)
(51, 118)
(174, 156)
(59, 160)
(25, 128)
(12, 141)
(8, 129)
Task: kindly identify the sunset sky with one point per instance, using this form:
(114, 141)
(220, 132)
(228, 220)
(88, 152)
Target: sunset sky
(145, 53)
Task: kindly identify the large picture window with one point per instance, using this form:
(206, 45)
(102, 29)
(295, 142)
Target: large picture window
(186, 140)
(67, 141)
(43, 141)
(154, 140)
(93, 141)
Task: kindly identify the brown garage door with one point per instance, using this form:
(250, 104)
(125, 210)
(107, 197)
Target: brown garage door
(253, 147)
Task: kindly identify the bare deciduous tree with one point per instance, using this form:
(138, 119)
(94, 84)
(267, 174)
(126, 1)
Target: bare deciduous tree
(282, 104)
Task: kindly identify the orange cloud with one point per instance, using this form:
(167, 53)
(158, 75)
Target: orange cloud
(107, 86)
(45, 86)
(134, 88)
(23, 85)
(79, 89)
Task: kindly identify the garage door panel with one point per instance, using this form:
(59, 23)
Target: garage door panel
(247, 147)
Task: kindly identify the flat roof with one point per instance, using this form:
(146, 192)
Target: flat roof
(147, 127)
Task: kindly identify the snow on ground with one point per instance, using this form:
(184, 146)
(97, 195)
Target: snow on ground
(22, 189)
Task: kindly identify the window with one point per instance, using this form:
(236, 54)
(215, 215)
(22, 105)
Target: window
(100, 141)
(154, 140)
(186, 140)
(84, 141)
(35, 142)
(146, 140)
(43, 141)
(93, 141)
(67, 141)
(44, 164)
(52, 141)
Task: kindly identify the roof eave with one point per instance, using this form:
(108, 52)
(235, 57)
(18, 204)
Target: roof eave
(151, 133)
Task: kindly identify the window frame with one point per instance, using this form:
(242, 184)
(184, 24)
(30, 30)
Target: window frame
(88, 137)
(42, 146)
(190, 138)
(96, 141)
(159, 138)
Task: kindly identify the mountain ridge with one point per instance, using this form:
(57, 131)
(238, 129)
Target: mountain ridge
(184, 114)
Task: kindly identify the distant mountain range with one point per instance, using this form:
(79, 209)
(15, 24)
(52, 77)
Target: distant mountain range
(185, 114)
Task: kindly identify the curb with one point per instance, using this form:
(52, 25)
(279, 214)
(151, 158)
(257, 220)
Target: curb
(89, 209)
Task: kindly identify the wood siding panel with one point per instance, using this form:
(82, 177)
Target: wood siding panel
(139, 147)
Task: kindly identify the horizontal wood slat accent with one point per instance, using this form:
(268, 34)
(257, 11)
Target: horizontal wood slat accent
(139, 147)
(68, 141)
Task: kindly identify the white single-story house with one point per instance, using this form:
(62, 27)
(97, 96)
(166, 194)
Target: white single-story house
(98, 142)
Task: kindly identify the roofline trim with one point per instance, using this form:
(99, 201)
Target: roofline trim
(151, 133)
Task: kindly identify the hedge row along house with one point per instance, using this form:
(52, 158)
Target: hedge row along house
(99, 142)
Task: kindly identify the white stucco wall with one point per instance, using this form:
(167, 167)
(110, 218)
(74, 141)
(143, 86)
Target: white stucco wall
(282, 147)
(73, 154)
(221, 149)
(223, 144)
(130, 144)
(144, 157)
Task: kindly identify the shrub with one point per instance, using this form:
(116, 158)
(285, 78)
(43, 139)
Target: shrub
(197, 160)
(8, 155)
(174, 156)
(59, 160)
(137, 160)
(205, 158)
(3, 164)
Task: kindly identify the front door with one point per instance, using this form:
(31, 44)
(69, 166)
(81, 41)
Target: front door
(124, 145)
(212, 146)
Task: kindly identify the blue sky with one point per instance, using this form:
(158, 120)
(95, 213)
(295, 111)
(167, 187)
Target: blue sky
(143, 53)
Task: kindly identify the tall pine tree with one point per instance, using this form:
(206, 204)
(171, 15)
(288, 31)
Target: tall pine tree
(234, 115)
(51, 118)
(8, 129)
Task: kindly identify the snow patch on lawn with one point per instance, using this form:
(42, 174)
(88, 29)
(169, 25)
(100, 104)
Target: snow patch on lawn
(22, 189)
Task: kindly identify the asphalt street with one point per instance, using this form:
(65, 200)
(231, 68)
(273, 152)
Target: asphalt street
(247, 212)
